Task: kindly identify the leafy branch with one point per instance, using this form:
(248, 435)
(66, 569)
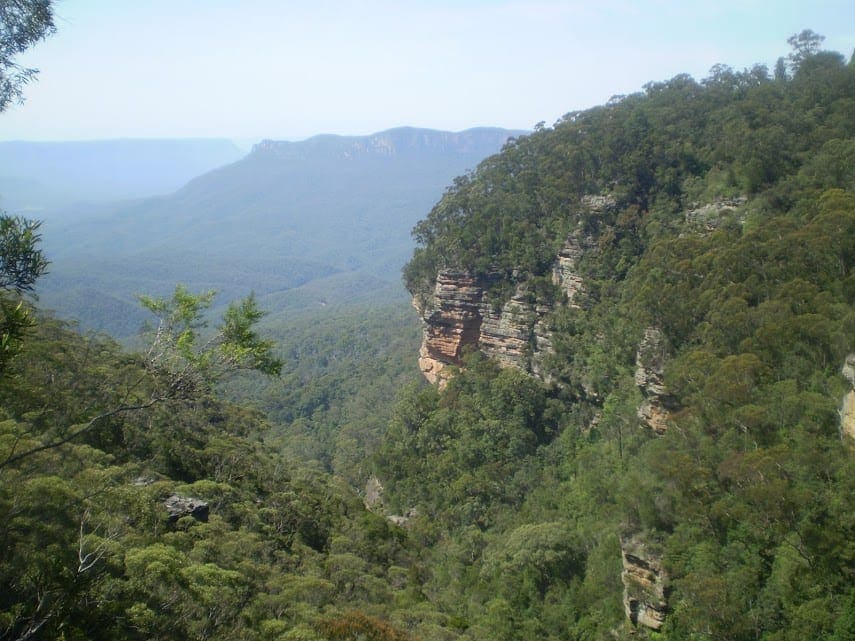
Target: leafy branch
(183, 359)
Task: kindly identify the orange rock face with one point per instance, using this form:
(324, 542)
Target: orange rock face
(452, 322)
(459, 317)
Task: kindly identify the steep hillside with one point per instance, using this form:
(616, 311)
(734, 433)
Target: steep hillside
(174, 521)
(331, 213)
(636, 322)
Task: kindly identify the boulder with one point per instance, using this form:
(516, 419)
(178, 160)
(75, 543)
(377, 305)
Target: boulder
(178, 506)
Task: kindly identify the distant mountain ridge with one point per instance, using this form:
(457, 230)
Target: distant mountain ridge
(393, 142)
(330, 215)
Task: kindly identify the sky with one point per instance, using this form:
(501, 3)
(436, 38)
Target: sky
(288, 69)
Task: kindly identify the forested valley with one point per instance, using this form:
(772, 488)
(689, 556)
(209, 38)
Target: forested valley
(668, 454)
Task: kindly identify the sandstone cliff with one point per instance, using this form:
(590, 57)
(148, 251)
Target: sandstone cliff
(644, 582)
(459, 314)
(566, 273)
(649, 376)
(452, 321)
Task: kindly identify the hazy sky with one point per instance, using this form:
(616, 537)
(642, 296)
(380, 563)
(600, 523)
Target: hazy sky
(252, 69)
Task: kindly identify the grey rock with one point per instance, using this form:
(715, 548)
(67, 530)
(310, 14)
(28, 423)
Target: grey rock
(178, 506)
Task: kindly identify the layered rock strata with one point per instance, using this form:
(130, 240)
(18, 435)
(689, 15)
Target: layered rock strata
(459, 315)
(565, 273)
(507, 334)
(644, 584)
(656, 408)
(452, 321)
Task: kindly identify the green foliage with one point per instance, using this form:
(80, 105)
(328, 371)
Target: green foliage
(731, 231)
(21, 264)
(805, 45)
(176, 367)
(341, 372)
(187, 359)
(656, 151)
(22, 24)
(91, 551)
(21, 261)
(468, 442)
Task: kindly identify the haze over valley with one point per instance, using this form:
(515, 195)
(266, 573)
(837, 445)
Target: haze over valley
(36, 177)
(325, 221)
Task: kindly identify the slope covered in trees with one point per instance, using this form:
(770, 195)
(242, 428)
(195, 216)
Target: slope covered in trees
(537, 507)
(170, 523)
(729, 236)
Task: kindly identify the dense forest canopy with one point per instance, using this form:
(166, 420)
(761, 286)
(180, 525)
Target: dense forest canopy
(136, 503)
(728, 233)
(677, 143)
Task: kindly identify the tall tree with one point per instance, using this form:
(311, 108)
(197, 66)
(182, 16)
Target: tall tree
(805, 44)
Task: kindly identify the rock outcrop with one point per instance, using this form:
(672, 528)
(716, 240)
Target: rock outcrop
(847, 409)
(847, 417)
(452, 321)
(709, 217)
(649, 376)
(178, 506)
(645, 581)
(565, 272)
(373, 498)
(510, 335)
(459, 314)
